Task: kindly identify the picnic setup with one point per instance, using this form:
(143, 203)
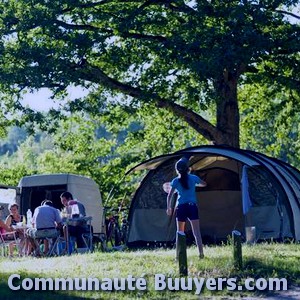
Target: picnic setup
(49, 241)
(57, 225)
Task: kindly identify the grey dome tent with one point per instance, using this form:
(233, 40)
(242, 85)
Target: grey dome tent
(245, 190)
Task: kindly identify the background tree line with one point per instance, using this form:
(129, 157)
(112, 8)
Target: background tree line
(105, 147)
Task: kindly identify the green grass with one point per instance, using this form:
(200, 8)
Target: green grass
(261, 260)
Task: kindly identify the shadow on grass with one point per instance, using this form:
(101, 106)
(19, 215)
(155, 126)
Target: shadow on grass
(290, 271)
(261, 269)
(7, 293)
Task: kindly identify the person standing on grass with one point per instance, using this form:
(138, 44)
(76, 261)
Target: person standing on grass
(185, 185)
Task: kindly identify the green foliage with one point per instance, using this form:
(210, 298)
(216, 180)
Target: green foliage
(193, 54)
(270, 121)
(103, 147)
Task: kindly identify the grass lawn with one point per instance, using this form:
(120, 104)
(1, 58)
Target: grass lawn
(259, 261)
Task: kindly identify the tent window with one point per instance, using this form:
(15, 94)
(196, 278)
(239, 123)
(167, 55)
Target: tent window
(263, 187)
(151, 194)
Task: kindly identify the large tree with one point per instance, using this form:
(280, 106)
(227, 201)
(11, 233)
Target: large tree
(177, 55)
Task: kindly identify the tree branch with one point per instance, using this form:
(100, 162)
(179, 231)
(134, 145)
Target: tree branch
(76, 26)
(197, 122)
(94, 74)
(109, 31)
(287, 13)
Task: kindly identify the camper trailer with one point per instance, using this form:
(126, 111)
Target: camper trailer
(32, 190)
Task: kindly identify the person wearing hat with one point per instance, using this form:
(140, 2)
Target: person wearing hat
(185, 186)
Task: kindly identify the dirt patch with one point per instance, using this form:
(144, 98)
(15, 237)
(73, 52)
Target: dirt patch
(293, 293)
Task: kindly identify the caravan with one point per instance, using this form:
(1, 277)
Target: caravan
(32, 190)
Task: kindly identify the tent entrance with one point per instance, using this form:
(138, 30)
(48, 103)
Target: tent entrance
(220, 212)
(220, 202)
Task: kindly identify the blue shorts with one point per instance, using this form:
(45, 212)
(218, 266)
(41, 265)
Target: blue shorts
(187, 211)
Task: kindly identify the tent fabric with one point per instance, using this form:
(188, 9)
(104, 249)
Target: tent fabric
(245, 192)
(245, 189)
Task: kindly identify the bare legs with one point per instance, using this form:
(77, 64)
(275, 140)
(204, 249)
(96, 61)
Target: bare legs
(197, 235)
(195, 224)
(180, 226)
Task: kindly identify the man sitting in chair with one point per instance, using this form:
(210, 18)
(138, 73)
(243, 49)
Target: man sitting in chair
(46, 221)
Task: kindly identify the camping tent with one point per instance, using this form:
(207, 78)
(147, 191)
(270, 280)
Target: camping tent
(246, 191)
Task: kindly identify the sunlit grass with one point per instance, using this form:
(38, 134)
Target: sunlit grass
(262, 260)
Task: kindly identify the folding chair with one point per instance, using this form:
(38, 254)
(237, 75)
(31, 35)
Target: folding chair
(6, 240)
(88, 237)
(53, 242)
(53, 245)
(86, 232)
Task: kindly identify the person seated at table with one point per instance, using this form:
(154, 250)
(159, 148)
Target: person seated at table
(12, 219)
(46, 221)
(74, 230)
(4, 229)
(68, 201)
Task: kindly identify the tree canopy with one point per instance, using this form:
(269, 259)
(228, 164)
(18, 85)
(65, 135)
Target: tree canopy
(175, 55)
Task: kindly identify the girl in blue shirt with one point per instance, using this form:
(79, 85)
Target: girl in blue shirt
(185, 185)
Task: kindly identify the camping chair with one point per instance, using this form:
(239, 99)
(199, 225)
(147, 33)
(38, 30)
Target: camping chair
(88, 235)
(86, 232)
(53, 240)
(53, 245)
(6, 240)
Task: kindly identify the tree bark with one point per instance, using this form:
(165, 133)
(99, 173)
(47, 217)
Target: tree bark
(228, 118)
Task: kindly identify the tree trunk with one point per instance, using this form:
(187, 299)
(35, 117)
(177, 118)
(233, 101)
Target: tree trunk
(228, 119)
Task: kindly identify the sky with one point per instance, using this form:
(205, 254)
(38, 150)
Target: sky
(41, 100)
